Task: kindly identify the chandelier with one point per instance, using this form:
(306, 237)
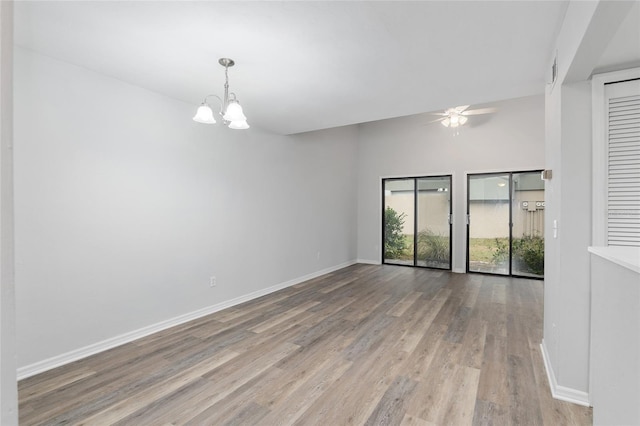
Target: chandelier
(230, 108)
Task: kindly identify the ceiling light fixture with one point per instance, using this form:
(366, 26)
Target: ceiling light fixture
(230, 109)
(457, 116)
(454, 119)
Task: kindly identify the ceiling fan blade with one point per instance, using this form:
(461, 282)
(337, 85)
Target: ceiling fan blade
(438, 120)
(461, 108)
(444, 114)
(480, 111)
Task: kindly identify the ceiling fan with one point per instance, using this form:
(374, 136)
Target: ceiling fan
(457, 116)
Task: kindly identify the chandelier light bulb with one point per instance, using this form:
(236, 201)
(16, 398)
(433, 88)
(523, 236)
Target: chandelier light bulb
(234, 112)
(204, 115)
(239, 125)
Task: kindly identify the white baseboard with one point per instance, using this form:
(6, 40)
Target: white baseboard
(77, 354)
(369, 262)
(561, 392)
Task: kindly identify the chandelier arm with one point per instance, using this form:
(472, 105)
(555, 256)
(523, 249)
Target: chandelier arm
(211, 96)
(214, 96)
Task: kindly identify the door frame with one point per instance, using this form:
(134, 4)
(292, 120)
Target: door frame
(415, 221)
(467, 218)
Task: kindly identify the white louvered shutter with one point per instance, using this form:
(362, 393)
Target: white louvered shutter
(623, 163)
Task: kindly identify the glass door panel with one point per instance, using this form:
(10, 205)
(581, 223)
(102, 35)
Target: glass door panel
(527, 208)
(433, 248)
(399, 221)
(488, 231)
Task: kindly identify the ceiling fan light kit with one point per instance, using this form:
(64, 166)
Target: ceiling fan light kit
(457, 116)
(230, 109)
(454, 120)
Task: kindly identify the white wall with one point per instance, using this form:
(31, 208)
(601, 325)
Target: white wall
(567, 318)
(125, 207)
(510, 139)
(587, 29)
(615, 330)
(568, 203)
(8, 387)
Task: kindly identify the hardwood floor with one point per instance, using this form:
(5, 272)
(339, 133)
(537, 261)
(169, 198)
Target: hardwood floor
(374, 345)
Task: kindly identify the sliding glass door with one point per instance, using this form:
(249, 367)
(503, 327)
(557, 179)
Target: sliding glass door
(416, 221)
(505, 231)
(398, 221)
(433, 248)
(488, 223)
(527, 211)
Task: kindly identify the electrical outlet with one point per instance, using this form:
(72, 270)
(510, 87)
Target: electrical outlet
(318, 256)
(212, 282)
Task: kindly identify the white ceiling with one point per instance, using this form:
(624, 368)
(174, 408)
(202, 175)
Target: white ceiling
(307, 65)
(624, 47)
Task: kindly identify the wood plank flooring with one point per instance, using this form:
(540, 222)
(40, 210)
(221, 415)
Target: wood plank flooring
(365, 345)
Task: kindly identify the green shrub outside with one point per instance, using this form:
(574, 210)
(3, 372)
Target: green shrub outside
(528, 251)
(432, 247)
(394, 239)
